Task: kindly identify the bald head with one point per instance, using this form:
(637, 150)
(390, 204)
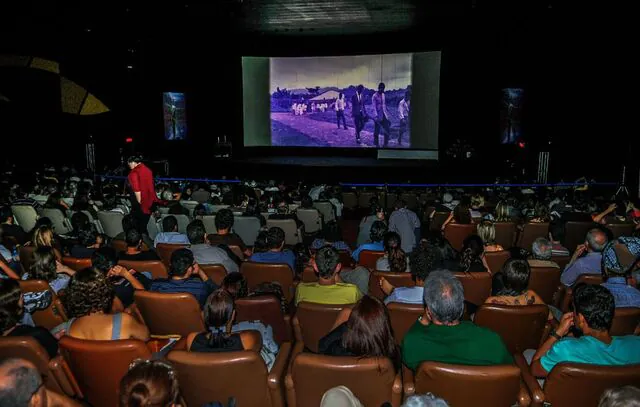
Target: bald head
(596, 240)
(20, 384)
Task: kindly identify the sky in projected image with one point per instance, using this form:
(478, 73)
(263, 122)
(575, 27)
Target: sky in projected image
(341, 72)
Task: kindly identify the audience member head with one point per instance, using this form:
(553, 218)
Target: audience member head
(224, 220)
(487, 232)
(378, 230)
(541, 249)
(515, 277)
(44, 266)
(129, 222)
(593, 307)
(79, 220)
(307, 202)
(395, 255)
(88, 292)
(196, 232)
(620, 256)
(399, 204)
(149, 383)
(252, 208)
(425, 400)
(424, 259)
(219, 313)
(596, 240)
(327, 262)
(446, 251)
(275, 238)
(472, 249)
(6, 215)
(170, 224)
(625, 396)
(461, 214)
(87, 235)
(134, 160)
(43, 237)
(331, 232)
(236, 285)
(502, 212)
(21, 384)
(133, 238)
(11, 304)
(182, 262)
(541, 212)
(443, 297)
(104, 259)
(369, 332)
(261, 244)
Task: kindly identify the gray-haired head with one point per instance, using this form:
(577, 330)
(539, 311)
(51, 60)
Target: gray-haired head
(625, 396)
(425, 400)
(596, 239)
(444, 296)
(20, 381)
(541, 249)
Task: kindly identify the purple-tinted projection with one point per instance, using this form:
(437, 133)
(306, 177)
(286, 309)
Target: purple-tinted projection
(346, 101)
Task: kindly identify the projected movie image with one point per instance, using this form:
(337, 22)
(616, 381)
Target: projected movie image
(347, 101)
(511, 115)
(175, 117)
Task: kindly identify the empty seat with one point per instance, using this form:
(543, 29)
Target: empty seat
(76, 264)
(169, 313)
(292, 235)
(311, 219)
(530, 232)
(257, 273)
(505, 234)
(25, 215)
(520, 326)
(368, 258)
(51, 316)
(455, 233)
(313, 321)
(61, 224)
(155, 267)
(111, 223)
(625, 321)
(247, 227)
(545, 281)
(327, 210)
(395, 279)
(267, 309)
(495, 260)
(165, 250)
(403, 316)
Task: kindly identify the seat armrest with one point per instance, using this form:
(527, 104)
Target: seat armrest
(275, 377)
(408, 382)
(297, 349)
(524, 399)
(63, 374)
(537, 395)
(288, 329)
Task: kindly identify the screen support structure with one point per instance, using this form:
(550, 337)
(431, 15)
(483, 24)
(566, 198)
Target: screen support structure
(543, 167)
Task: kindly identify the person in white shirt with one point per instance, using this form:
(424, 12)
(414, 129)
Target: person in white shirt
(403, 113)
(340, 105)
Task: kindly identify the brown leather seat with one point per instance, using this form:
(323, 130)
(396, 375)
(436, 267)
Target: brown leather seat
(403, 316)
(505, 234)
(495, 260)
(438, 220)
(51, 316)
(625, 321)
(396, 280)
(155, 267)
(76, 264)
(345, 258)
(257, 273)
(216, 272)
(368, 258)
(169, 313)
(119, 245)
(237, 251)
(313, 321)
(372, 380)
(266, 309)
(308, 274)
(545, 281)
(468, 385)
(98, 366)
(55, 372)
(575, 233)
(561, 261)
(621, 229)
(26, 257)
(206, 377)
(477, 286)
(530, 232)
(455, 233)
(573, 384)
(165, 250)
(520, 326)
(594, 279)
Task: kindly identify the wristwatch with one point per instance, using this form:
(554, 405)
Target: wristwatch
(555, 335)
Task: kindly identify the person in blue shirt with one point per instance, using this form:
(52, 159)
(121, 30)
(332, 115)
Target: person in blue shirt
(170, 234)
(275, 253)
(586, 259)
(185, 276)
(618, 260)
(594, 308)
(378, 230)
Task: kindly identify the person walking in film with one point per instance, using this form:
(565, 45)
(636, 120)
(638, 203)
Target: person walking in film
(403, 112)
(382, 115)
(340, 105)
(358, 111)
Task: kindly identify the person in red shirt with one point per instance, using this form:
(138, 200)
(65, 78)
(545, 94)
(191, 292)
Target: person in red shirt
(143, 188)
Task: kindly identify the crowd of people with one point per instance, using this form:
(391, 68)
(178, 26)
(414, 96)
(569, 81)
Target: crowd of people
(98, 300)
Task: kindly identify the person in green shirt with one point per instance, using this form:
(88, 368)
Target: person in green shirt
(440, 336)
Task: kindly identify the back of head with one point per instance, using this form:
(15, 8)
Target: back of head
(87, 235)
(44, 265)
(395, 255)
(236, 285)
(556, 229)
(625, 396)
(307, 202)
(5, 213)
(20, 381)
(10, 310)
(79, 220)
(444, 296)
(88, 292)
(262, 242)
(224, 219)
(133, 237)
(181, 261)
(170, 224)
(424, 259)
(196, 232)
(104, 259)
(487, 232)
(596, 239)
(378, 230)
(596, 304)
(425, 400)
(399, 204)
(541, 249)
(149, 384)
(461, 214)
(275, 238)
(218, 315)
(327, 260)
(135, 159)
(129, 222)
(516, 275)
(43, 236)
(472, 249)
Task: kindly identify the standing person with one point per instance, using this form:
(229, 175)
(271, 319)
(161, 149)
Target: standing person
(340, 104)
(141, 183)
(382, 115)
(358, 111)
(403, 112)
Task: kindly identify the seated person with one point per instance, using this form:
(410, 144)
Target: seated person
(224, 222)
(541, 252)
(125, 282)
(203, 252)
(394, 259)
(586, 259)
(88, 301)
(618, 260)
(253, 210)
(487, 232)
(461, 214)
(185, 276)
(556, 236)
(406, 223)
(128, 223)
(170, 234)
(275, 254)
(46, 267)
(593, 309)
(329, 289)
(423, 259)
(134, 250)
(9, 228)
(441, 336)
(330, 237)
(364, 331)
(43, 236)
(376, 235)
(10, 261)
(150, 383)
(364, 229)
(472, 256)
(88, 242)
(11, 313)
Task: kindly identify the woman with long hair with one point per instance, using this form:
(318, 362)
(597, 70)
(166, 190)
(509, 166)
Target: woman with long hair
(364, 331)
(46, 267)
(394, 259)
(472, 255)
(503, 212)
(487, 232)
